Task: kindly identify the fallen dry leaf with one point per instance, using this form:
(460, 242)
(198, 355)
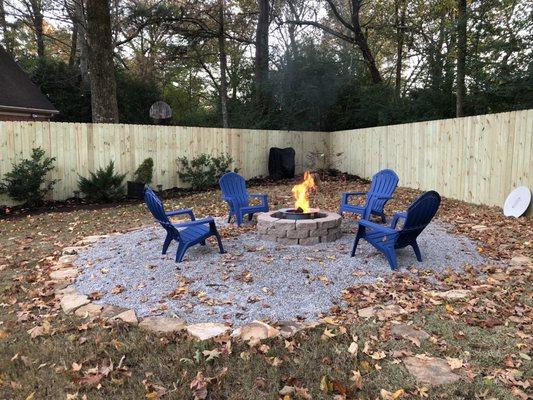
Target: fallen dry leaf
(199, 386)
(454, 363)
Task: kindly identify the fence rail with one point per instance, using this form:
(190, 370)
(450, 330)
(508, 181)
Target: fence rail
(476, 159)
(80, 148)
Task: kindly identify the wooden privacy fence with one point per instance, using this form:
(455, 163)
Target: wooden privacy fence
(80, 148)
(477, 159)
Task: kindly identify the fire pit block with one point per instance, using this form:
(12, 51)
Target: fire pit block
(325, 228)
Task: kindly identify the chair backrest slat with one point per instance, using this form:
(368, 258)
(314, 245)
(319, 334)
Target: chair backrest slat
(419, 215)
(156, 208)
(232, 184)
(384, 183)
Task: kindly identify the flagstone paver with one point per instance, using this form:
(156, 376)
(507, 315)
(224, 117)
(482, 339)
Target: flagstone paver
(454, 294)
(90, 310)
(430, 370)
(62, 274)
(70, 302)
(111, 311)
(256, 330)
(409, 332)
(382, 312)
(521, 260)
(162, 324)
(290, 328)
(206, 330)
(127, 316)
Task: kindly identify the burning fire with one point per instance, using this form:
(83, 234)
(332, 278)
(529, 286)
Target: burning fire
(301, 192)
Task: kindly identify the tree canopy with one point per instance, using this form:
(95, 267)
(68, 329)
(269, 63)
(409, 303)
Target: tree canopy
(277, 64)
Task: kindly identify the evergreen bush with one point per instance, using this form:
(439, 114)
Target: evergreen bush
(145, 171)
(27, 182)
(104, 185)
(203, 171)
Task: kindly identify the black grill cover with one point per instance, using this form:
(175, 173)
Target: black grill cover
(281, 163)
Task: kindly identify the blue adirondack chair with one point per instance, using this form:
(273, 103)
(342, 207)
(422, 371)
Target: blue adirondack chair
(235, 194)
(186, 234)
(388, 239)
(382, 187)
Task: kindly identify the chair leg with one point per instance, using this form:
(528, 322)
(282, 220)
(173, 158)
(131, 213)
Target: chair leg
(219, 240)
(417, 251)
(391, 257)
(239, 219)
(168, 239)
(229, 217)
(250, 216)
(359, 235)
(181, 252)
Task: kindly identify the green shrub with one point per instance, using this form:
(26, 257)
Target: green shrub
(203, 171)
(145, 171)
(104, 185)
(27, 181)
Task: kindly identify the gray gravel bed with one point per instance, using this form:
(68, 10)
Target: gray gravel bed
(256, 279)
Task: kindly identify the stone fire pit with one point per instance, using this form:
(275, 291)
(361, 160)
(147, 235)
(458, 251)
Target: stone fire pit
(325, 228)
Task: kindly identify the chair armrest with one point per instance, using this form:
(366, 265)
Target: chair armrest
(382, 196)
(346, 195)
(262, 196)
(201, 221)
(396, 218)
(372, 198)
(182, 211)
(377, 227)
(231, 200)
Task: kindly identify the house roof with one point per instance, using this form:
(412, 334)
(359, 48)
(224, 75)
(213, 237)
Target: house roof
(17, 91)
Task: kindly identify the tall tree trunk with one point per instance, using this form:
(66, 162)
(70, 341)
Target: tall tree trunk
(436, 57)
(292, 30)
(461, 57)
(73, 46)
(223, 87)
(101, 69)
(400, 7)
(293, 42)
(83, 56)
(361, 42)
(261, 47)
(38, 26)
(3, 27)
(79, 19)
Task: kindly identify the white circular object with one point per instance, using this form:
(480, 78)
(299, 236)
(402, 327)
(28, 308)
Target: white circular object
(517, 202)
(160, 110)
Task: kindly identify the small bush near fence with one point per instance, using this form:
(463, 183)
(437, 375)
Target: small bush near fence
(104, 185)
(145, 171)
(27, 182)
(203, 171)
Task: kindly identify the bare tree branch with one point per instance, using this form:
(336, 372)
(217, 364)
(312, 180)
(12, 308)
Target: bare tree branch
(324, 28)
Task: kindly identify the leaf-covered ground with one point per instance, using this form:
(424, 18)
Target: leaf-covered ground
(485, 337)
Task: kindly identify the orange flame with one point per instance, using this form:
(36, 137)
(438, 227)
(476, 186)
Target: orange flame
(301, 192)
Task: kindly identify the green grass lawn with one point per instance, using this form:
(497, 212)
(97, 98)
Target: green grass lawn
(490, 332)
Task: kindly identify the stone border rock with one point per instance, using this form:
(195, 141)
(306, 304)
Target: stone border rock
(64, 272)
